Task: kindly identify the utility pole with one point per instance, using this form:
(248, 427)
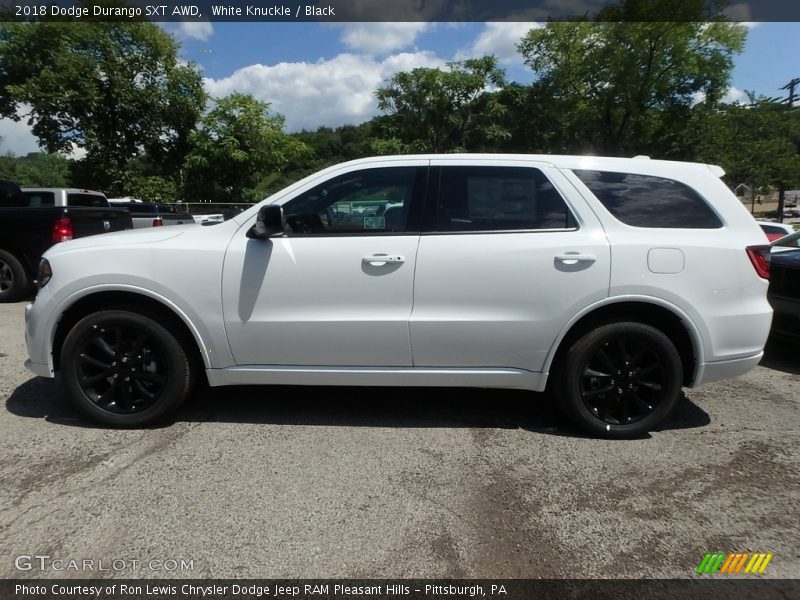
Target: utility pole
(790, 87)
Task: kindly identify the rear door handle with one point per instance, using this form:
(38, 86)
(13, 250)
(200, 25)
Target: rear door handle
(384, 259)
(573, 258)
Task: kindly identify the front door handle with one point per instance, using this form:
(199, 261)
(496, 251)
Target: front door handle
(384, 259)
(573, 258)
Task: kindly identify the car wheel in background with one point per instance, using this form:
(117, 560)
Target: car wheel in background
(14, 281)
(620, 380)
(124, 369)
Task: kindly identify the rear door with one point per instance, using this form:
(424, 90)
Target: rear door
(505, 259)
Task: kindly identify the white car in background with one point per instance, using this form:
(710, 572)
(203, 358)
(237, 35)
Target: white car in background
(775, 231)
(614, 282)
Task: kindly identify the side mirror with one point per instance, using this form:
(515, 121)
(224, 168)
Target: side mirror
(269, 222)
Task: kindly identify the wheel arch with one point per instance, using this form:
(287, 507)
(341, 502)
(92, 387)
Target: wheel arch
(667, 318)
(136, 301)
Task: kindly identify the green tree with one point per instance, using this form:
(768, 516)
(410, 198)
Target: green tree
(237, 144)
(625, 84)
(441, 110)
(757, 143)
(37, 169)
(114, 89)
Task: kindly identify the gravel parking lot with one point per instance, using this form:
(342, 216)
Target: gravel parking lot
(343, 482)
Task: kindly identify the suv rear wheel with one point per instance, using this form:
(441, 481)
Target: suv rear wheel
(620, 380)
(124, 369)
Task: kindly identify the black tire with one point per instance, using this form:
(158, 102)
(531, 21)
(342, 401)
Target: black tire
(620, 380)
(14, 281)
(124, 369)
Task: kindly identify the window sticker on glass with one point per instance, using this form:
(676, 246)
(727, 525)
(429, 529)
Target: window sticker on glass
(374, 222)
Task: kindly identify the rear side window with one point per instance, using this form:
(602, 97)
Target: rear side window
(39, 199)
(485, 198)
(86, 200)
(648, 201)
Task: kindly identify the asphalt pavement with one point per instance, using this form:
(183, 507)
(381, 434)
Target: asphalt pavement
(373, 482)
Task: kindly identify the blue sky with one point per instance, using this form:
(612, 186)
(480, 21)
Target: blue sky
(325, 74)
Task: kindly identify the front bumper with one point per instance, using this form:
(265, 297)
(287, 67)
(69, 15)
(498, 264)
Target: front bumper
(37, 340)
(39, 369)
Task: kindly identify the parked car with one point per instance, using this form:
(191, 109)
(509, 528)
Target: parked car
(786, 242)
(33, 220)
(788, 213)
(775, 231)
(613, 282)
(208, 219)
(153, 214)
(43, 197)
(784, 286)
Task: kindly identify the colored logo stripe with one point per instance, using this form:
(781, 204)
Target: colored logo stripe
(723, 562)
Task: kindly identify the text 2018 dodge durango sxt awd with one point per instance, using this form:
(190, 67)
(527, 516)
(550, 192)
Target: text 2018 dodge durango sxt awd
(613, 281)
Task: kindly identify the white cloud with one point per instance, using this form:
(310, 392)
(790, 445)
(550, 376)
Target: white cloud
(16, 137)
(378, 38)
(194, 30)
(734, 96)
(330, 92)
(499, 39)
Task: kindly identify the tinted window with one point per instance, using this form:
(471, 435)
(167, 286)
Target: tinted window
(498, 199)
(647, 201)
(139, 207)
(39, 199)
(86, 200)
(369, 201)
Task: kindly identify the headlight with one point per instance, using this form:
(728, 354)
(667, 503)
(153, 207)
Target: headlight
(44, 273)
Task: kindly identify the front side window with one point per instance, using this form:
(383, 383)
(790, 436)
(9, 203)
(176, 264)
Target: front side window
(485, 198)
(369, 201)
(649, 201)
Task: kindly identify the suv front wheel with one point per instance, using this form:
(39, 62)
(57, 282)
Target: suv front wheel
(620, 380)
(124, 369)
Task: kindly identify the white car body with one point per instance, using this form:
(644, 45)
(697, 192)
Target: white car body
(428, 308)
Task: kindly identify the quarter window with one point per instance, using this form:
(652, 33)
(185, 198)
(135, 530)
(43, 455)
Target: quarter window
(498, 199)
(369, 201)
(648, 201)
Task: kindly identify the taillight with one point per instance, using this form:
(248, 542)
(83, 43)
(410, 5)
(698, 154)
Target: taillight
(759, 256)
(158, 222)
(62, 230)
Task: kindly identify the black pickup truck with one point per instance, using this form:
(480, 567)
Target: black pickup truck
(27, 230)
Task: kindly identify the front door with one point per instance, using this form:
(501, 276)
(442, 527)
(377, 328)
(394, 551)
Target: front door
(337, 289)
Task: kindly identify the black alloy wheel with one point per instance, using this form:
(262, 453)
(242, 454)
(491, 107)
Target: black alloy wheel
(124, 369)
(620, 379)
(623, 380)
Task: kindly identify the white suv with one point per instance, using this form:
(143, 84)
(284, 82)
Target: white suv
(618, 281)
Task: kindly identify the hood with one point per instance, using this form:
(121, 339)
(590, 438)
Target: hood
(127, 237)
(788, 258)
